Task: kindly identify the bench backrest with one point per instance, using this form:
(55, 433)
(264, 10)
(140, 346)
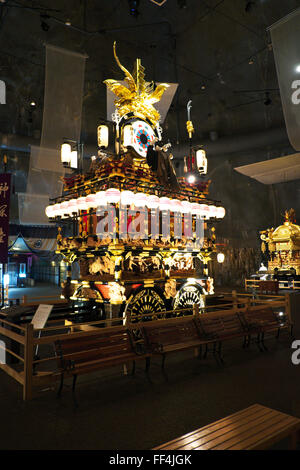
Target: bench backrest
(227, 325)
(262, 316)
(110, 342)
(170, 332)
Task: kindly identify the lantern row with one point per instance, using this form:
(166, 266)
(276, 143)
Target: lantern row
(128, 198)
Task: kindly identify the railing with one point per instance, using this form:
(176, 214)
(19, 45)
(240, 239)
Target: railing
(26, 300)
(20, 343)
(256, 283)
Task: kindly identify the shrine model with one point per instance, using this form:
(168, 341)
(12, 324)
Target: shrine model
(281, 249)
(136, 229)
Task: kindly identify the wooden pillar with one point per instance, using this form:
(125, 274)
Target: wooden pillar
(234, 298)
(28, 362)
(288, 307)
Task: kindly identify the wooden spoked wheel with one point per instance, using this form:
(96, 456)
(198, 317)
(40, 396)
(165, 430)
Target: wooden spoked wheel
(189, 295)
(143, 302)
(87, 309)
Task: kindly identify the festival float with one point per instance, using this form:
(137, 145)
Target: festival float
(281, 248)
(141, 236)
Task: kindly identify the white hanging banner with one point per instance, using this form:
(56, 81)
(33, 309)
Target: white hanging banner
(285, 36)
(64, 80)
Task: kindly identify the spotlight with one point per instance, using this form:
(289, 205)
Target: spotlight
(298, 69)
(191, 179)
(268, 100)
(68, 22)
(133, 7)
(33, 104)
(251, 61)
(182, 3)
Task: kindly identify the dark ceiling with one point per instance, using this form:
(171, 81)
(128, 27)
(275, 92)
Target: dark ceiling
(217, 50)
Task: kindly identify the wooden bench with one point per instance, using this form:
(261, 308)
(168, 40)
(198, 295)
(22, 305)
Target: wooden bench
(104, 348)
(254, 428)
(219, 328)
(173, 335)
(264, 320)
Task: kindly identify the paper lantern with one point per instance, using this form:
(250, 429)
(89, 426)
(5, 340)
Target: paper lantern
(164, 204)
(212, 211)
(72, 206)
(186, 207)
(112, 196)
(65, 153)
(195, 208)
(127, 198)
(175, 205)
(153, 201)
(49, 211)
(102, 134)
(220, 212)
(101, 199)
(201, 161)
(55, 210)
(74, 159)
(204, 211)
(91, 201)
(127, 135)
(81, 204)
(220, 257)
(64, 208)
(140, 199)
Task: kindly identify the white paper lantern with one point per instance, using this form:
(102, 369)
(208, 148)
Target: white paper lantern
(65, 153)
(112, 195)
(101, 199)
(81, 204)
(56, 209)
(175, 205)
(127, 198)
(74, 159)
(102, 134)
(72, 206)
(201, 161)
(153, 201)
(220, 212)
(220, 257)
(195, 208)
(204, 211)
(91, 201)
(49, 211)
(164, 204)
(64, 208)
(127, 135)
(212, 211)
(140, 199)
(186, 207)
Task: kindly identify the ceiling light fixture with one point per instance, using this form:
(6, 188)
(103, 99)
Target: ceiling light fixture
(68, 22)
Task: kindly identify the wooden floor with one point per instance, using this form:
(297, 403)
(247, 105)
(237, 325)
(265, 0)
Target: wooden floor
(254, 428)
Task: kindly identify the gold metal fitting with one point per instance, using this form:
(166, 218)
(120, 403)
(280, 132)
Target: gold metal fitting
(190, 128)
